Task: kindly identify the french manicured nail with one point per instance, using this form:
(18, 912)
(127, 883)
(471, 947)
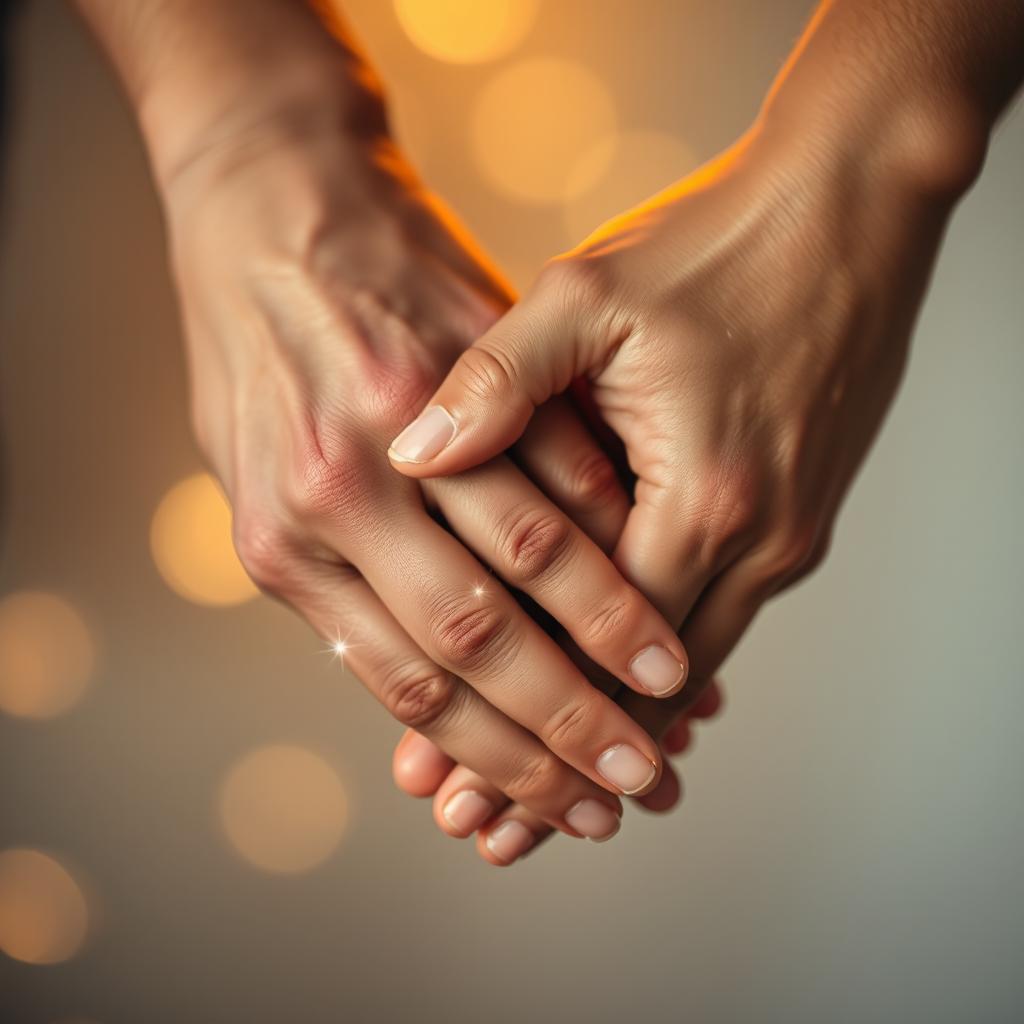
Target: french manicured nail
(593, 819)
(426, 437)
(467, 811)
(625, 767)
(510, 840)
(657, 670)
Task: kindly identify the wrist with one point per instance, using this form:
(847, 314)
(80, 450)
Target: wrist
(192, 140)
(216, 78)
(889, 87)
(926, 149)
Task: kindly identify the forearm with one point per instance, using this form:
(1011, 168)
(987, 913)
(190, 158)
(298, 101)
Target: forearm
(205, 75)
(910, 85)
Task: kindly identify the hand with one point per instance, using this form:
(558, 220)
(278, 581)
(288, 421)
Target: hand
(317, 317)
(463, 802)
(743, 333)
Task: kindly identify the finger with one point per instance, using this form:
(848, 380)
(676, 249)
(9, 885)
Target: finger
(715, 626)
(419, 766)
(709, 703)
(531, 544)
(665, 795)
(515, 835)
(490, 393)
(671, 550)
(481, 634)
(656, 716)
(677, 737)
(561, 456)
(514, 832)
(434, 702)
(465, 802)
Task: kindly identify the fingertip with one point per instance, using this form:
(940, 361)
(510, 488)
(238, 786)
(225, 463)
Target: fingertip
(678, 738)
(418, 767)
(665, 795)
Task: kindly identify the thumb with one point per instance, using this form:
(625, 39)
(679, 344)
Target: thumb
(490, 393)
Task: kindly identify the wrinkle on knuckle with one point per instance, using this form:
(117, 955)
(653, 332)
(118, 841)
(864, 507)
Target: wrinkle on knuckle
(608, 621)
(487, 374)
(419, 696)
(569, 725)
(328, 488)
(265, 549)
(726, 508)
(467, 637)
(592, 480)
(535, 779)
(530, 542)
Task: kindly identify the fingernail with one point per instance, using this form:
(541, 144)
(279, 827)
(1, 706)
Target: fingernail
(657, 670)
(593, 819)
(509, 841)
(625, 767)
(467, 811)
(426, 437)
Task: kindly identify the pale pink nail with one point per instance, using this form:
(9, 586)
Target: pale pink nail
(510, 840)
(625, 767)
(467, 811)
(427, 436)
(657, 670)
(593, 819)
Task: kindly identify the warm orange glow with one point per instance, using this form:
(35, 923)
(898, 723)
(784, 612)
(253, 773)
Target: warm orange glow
(466, 31)
(632, 167)
(283, 809)
(531, 122)
(46, 655)
(191, 543)
(43, 913)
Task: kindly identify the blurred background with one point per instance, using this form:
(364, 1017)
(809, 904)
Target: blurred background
(197, 820)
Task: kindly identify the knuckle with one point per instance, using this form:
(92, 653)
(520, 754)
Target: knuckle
(486, 374)
(419, 696)
(531, 542)
(394, 396)
(327, 485)
(468, 638)
(570, 725)
(535, 780)
(264, 548)
(608, 621)
(810, 563)
(729, 507)
(592, 480)
(576, 282)
(791, 552)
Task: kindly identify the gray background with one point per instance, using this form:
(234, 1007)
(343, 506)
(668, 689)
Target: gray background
(851, 842)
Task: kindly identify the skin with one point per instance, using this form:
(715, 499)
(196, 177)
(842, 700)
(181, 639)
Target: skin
(745, 330)
(324, 293)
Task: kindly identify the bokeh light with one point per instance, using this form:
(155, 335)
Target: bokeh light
(618, 172)
(531, 122)
(466, 31)
(191, 543)
(43, 912)
(283, 808)
(46, 655)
